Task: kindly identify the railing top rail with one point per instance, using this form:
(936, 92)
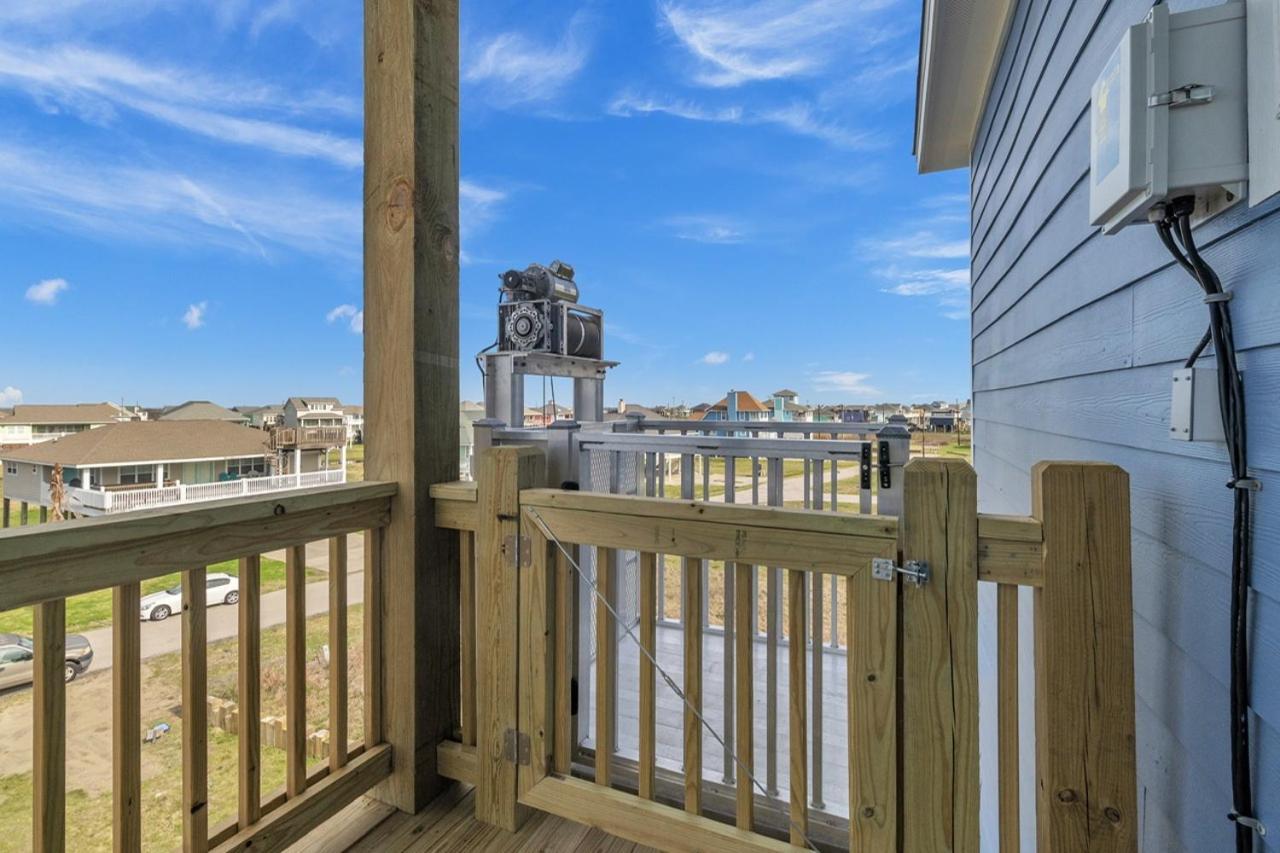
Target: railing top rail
(720, 445)
(47, 562)
(800, 427)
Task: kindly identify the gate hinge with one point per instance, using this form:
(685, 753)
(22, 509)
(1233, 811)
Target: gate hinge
(518, 549)
(916, 572)
(515, 747)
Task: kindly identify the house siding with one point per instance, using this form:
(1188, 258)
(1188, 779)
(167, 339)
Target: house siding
(1075, 338)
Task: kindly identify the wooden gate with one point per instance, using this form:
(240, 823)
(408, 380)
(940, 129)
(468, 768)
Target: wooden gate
(912, 622)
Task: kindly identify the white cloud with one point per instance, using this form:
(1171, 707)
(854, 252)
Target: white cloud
(798, 118)
(925, 282)
(193, 318)
(126, 201)
(921, 244)
(739, 43)
(715, 357)
(478, 205)
(10, 396)
(512, 68)
(46, 292)
(706, 229)
(95, 85)
(353, 315)
(844, 382)
(749, 357)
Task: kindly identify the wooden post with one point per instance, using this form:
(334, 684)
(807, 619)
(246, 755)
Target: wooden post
(939, 526)
(4, 513)
(1085, 744)
(411, 369)
(503, 472)
(49, 736)
(126, 719)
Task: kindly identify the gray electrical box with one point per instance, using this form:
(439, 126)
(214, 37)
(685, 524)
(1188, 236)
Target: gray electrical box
(1194, 413)
(1169, 117)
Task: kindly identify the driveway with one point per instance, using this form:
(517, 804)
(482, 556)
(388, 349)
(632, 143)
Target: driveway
(160, 638)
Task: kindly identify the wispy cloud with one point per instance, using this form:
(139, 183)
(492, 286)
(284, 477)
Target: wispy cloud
(241, 211)
(715, 357)
(46, 292)
(349, 313)
(925, 282)
(798, 117)
(921, 244)
(749, 357)
(96, 85)
(740, 43)
(706, 229)
(514, 68)
(844, 382)
(193, 318)
(10, 396)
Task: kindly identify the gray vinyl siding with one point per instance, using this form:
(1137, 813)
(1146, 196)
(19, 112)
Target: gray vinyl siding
(1075, 336)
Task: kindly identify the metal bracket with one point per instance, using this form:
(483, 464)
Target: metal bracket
(915, 573)
(886, 479)
(1183, 96)
(516, 748)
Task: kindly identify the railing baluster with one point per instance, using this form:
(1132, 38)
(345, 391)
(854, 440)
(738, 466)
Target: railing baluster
(1007, 705)
(49, 737)
(692, 591)
(566, 584)
(799, 816)
(126, 718)
(373, 545)
(648, 686)
(773, 620)
(729, 573)
(817, 592)
(338, 652)
(249, 729)
(467, 633)
(295, 628)
(195, 712)
(745, 615)
(606, 661)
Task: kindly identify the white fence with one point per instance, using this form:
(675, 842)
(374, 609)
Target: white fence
(94, 502)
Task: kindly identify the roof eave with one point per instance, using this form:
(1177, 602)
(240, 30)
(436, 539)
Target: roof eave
(960, 43)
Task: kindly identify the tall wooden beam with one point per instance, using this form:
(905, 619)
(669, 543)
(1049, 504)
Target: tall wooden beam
(411, 367)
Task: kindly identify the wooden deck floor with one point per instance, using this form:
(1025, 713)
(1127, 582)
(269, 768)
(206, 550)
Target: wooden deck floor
(449, 824)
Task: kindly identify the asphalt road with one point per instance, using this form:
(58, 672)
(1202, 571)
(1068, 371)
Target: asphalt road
(160, 638)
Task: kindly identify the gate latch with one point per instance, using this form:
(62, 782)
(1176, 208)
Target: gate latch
(916, 572)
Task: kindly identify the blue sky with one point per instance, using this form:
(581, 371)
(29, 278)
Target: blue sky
(180, 214)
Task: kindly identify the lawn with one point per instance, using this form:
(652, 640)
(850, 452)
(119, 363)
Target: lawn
(355, 462)
(89, 792)
(93, 609)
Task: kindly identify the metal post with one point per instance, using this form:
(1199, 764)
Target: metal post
(588, 399)
(503, 390)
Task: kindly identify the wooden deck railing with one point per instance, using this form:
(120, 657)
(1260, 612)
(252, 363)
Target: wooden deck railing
(912, 678)
(41, 567)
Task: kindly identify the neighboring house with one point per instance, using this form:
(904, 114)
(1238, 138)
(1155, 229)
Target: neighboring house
(138, 464)
(468, 413)
(201, 410)
(353, 419)
(737, 406)
(1075, 337)
(308, 412)
(944, 420)
(31, 424)
(262, 417)
(785, 408)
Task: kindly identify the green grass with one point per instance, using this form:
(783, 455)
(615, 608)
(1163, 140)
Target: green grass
(89, 814)
(93, 609)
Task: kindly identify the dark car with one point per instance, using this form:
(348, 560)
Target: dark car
(17, 659)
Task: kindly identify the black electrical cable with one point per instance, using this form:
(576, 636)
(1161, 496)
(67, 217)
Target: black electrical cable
(1175, 232)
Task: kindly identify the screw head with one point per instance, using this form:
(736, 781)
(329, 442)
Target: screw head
(871, 676)
(1066, 795)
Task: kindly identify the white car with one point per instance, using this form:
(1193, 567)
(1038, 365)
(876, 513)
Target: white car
(220, 589)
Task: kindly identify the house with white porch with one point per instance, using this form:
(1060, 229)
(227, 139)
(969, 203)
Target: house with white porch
(33, 424)
(146, 464)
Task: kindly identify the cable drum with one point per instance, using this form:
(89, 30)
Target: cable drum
(582, 335)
